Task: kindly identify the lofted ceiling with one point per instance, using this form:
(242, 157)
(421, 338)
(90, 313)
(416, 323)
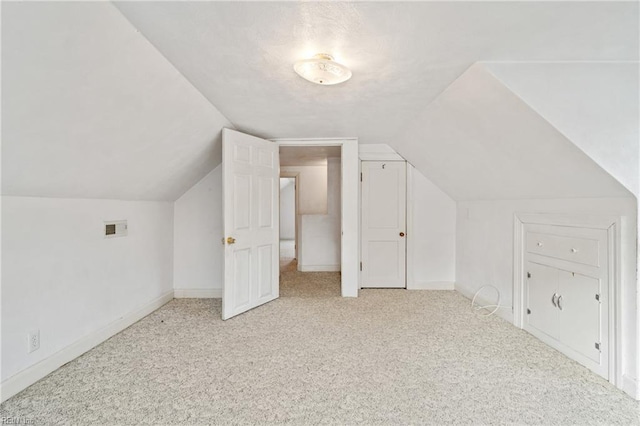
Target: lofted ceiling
(91, 110)
(479, 141)
(240, 55)
(127, 100)
(595, 105)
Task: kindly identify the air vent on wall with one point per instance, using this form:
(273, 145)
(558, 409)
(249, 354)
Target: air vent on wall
(115, 228)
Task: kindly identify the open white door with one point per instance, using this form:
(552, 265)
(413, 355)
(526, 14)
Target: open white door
(250, 186)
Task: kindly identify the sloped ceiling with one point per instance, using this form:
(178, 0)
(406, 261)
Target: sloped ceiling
(594, 104)
(240, 55)
(479, 141)
(90, 109)
(128, 103)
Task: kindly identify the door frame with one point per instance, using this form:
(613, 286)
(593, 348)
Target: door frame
(613, 225)
(350, 206)
(296, 177)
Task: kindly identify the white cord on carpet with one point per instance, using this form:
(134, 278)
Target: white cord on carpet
(496, 306)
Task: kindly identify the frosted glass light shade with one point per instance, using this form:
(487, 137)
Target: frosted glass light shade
(322, 69)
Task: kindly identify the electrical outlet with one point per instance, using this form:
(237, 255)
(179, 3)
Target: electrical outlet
(34, 341)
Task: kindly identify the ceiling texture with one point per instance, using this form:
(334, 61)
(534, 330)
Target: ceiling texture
(132, 95)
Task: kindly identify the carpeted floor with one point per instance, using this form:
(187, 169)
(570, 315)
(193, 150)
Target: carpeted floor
(311, 357)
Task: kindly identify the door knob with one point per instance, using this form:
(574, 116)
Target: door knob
(231, 240)
(402, 234)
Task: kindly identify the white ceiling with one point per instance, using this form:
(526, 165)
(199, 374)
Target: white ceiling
(101, 105)
(308, 155)
(91, 110)
(240, 55)
(479, 141)
(595, 105)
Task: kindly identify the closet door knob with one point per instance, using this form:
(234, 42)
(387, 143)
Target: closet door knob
(540, 244)
(402, 234)
(574, 250)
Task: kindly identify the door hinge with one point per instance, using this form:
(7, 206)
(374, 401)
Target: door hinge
(528, 311)
(361, 266)
(360, 177)
(597, 346)
(598, 297)
(528, 274)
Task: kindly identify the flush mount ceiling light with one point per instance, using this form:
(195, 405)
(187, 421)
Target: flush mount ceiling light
(322, 69)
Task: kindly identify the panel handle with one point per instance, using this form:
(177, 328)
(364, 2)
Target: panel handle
(554, 299)
(560, 302)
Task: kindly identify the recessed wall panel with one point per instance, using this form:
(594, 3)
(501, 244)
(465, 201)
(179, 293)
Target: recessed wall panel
(242, 154)
(383, 259)
(265, 189)
(242, 201)
(265, 158)
(265, 272)
(384, 199)
(242, 278)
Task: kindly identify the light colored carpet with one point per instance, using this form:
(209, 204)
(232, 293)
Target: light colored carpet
(387, 357)
(288, 263)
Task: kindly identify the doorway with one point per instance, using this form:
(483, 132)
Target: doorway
(310, 207)
(288, 222)
(250, 193)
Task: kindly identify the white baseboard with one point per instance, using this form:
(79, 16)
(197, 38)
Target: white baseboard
(30, 375)
(319, 268)
(197, 293)
(505, 313)
(431, 285)
(630, 387)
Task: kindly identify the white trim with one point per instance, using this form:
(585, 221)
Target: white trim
(319, 268)
(432, 285)
(350, 205)
(197, 293)
(378, 152)
(613, 226)
(631, 386)
(409, 247)
(25, 378)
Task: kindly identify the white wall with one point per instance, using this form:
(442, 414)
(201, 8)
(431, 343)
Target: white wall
(484, 253)
(312, 190)
(85, 94)
(61, 276)
(198, 253)
(595, 104)
(320, 237)
(287, 208)
(480, 141)
(431, 245)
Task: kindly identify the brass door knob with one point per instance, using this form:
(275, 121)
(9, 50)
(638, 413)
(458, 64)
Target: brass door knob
(402, 234)
(231, 240)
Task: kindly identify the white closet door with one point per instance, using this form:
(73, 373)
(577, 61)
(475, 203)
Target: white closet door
(251, 185)
(542, 294)
(579, 326)
(384, 200)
